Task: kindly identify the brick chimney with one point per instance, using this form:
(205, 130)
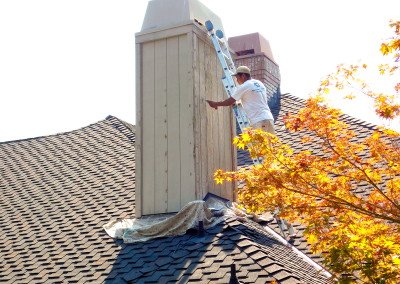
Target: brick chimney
(254, 51)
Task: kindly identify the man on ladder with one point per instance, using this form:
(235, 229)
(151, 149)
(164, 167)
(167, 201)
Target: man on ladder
(253, 95)
(253, 110)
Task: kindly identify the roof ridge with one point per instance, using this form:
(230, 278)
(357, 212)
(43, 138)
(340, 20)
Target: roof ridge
(344, 116)
(124, 127)
(294, 97)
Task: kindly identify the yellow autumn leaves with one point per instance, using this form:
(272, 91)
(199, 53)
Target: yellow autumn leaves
(345, 189)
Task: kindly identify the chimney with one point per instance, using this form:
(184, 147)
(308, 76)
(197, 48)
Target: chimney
(180, 140)
(254, 51)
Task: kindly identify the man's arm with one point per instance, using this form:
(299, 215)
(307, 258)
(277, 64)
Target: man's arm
(227, 102)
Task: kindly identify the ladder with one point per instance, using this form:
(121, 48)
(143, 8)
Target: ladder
(228, 66)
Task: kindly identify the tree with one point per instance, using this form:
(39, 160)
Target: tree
(357, 231)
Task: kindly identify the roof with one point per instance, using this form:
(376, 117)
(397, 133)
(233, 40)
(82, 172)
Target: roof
(58, 191)
(292, 104)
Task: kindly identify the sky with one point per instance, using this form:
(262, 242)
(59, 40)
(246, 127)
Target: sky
(67, 64)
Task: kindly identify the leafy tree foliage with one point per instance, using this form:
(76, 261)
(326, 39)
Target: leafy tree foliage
(344, 189)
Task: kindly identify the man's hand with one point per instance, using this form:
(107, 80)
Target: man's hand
(212, 104)
(228, 102)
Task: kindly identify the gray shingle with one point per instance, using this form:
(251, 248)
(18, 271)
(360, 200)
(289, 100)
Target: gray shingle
(58, 191)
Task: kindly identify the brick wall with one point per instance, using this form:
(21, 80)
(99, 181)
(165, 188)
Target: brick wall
(267, 71)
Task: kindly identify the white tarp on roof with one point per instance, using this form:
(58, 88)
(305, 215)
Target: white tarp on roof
(141, 230)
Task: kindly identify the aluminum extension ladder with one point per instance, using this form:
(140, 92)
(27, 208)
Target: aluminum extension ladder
(228, 66)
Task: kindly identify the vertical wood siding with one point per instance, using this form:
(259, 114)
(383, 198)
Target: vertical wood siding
(148, 128)
(188, 185)
(173, 109)
(183, 141)
(214, 128)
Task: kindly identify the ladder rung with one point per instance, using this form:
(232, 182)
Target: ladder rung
(227, 57)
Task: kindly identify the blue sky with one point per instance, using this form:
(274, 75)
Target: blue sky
(67, 64)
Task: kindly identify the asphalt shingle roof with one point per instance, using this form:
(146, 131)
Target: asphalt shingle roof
(58, 191)
(207, 259)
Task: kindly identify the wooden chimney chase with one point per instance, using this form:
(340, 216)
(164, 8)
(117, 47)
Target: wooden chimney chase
(180, 141)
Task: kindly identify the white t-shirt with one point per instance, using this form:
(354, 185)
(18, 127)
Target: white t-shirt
(254, 100)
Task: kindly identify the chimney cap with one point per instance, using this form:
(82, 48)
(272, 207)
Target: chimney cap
(251, 44)
(163, 13)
